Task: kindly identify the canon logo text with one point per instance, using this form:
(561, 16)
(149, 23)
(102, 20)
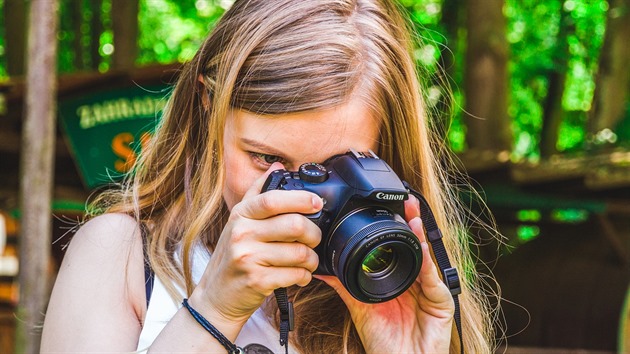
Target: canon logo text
(385, 196)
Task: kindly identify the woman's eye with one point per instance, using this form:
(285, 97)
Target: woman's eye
(266, 159)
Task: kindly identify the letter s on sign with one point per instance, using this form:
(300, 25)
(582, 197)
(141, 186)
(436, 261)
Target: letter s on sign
(121, 147)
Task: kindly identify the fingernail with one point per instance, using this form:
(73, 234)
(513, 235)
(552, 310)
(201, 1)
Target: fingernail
(276, 166)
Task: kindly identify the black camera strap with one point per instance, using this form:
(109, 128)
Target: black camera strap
(286, 316)
(449, 273)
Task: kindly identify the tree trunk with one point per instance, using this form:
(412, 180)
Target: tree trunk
(613, 77)
(77, 42)
(15, 35)
(96, 28)
(552, 113)
(552, 107)
(125, 26)
(451, 19)
(36, 181)
(486, 78)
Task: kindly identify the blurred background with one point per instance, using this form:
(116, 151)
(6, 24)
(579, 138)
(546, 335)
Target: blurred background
(531, 95)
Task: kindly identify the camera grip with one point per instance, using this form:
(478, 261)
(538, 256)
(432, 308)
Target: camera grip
(273, 181)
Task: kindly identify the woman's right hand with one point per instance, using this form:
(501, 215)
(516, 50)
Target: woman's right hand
(266, 244)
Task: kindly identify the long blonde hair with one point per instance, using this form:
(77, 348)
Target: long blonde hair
(282, 56)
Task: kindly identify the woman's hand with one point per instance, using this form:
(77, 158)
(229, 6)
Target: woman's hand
(266, 244)
(419, 320)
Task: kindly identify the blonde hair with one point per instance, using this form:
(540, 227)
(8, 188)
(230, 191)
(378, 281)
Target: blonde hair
(282, 56)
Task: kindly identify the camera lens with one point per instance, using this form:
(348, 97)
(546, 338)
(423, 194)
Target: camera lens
(374, 254)
(378, 260)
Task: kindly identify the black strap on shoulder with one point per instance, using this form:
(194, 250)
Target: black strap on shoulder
(449, 273)
(149, 275)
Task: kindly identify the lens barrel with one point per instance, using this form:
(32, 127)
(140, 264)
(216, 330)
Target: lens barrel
(374, 254)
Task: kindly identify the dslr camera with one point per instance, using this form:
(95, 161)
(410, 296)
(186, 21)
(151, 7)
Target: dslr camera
(366, 242)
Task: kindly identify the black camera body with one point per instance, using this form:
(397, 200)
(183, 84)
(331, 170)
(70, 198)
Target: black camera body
(366, 242)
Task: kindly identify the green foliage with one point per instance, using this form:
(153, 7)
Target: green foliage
(65, 37)
(545, 37)
(569, 215)
(537, 46)
(527, 233)
(172, 31)
(584, 49)
(439, 56)
(106, 38)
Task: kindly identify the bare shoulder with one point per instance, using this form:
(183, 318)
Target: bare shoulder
(106, 241)
(107, 244)
(102, 271)
(109, 229)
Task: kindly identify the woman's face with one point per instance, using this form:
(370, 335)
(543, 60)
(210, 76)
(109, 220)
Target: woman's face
(253, 142)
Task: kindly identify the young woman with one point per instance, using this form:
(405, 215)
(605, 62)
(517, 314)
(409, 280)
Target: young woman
(276, 84)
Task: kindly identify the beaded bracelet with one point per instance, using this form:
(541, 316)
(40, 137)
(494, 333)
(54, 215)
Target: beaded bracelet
(229, 346)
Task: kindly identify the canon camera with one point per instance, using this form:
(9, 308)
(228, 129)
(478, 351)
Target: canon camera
(365, 242)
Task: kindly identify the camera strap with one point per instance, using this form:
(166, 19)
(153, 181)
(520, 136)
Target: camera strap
(449, 273)
(286, 316)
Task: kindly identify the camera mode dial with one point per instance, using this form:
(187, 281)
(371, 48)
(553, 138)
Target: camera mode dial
(313, 173)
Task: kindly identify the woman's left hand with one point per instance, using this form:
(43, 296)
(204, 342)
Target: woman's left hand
(418, 321)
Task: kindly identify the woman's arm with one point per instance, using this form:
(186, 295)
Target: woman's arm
(98, 299)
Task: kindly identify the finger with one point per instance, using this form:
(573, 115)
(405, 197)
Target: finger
(258, 183)
(288, 228)
(432, 286)
(279, 277)
(412, 208)
(418, 228)
(278, 202)
(287, 255)
(428, 270)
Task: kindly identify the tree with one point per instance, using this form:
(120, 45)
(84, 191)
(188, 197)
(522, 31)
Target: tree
(125, 26)
(447, 71)
(552, 106)
(15, 29)
(77, 39)
(486, 79)
(96, 28)
(37, 160)
(613, 78)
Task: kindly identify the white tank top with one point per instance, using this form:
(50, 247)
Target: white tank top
(258, 336)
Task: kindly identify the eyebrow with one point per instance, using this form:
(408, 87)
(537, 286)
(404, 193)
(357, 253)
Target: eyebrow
(262, 146)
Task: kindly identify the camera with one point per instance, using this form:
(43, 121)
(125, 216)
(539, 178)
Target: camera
(365, 242)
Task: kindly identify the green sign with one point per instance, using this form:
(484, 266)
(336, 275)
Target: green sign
(106, 130)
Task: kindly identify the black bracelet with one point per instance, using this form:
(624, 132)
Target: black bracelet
(229, 346)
